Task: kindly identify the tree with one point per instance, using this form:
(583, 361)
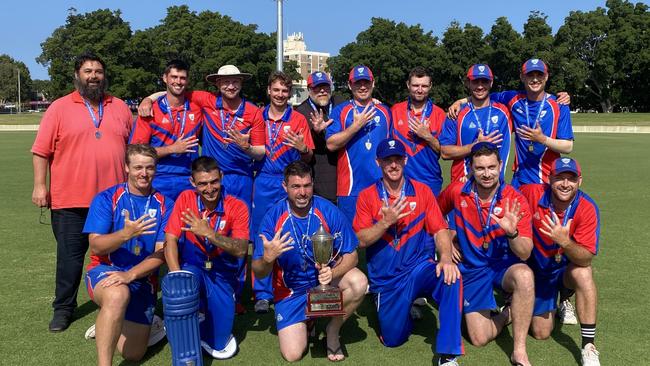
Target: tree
(505, 54)
(9, 80)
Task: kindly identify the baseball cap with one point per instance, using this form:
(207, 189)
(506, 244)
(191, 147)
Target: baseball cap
(534, 64)
(390, 147)
(480, 71)
(317, 78)
(360, 72)
(564, 164)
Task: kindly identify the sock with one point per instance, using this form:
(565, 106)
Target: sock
(588, 332)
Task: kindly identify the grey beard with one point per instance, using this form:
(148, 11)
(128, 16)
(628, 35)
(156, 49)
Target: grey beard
(94, 94)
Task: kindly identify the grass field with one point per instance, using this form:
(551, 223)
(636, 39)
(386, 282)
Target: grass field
(578, 119)
(616, 175)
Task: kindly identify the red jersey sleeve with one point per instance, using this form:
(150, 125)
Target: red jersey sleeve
(364, 214)
(202, 98)
(174, 223)
(446, 197)
(586, 227)
(434, 219)
(239, 216)
(258, 129)
(525, 225)
(306, 131)
(141, 131)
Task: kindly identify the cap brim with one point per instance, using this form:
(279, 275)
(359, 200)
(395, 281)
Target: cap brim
(319, 83)
(361, 78)
(566, 170)
(212, 78)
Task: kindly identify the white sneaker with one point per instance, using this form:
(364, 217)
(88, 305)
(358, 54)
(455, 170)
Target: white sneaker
(157, 332)
(226, 352)
(90, 333)
(590, 355)
(449, 363)
(420, 301)
(567, 313)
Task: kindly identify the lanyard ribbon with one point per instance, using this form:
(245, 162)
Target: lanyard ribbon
(485, 225)
(273, 128)
(172, 120)
(97, 121)
(228, 120)
(486, 130)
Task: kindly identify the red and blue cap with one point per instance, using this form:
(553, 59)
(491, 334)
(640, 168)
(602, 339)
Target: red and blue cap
(480, 71)
(390, 147)
(565, 164)
(360, 72)
(318, 78)
(534, 64)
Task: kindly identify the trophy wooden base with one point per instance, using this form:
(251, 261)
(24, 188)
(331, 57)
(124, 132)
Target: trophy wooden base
(324, 301)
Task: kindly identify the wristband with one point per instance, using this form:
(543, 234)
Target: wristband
(513, 236)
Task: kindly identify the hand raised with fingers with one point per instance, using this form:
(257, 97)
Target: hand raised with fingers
(494, 137)
(296, 140)
(395, 212)
(532, 134)
(318, 121)
(196, 225)
(553, 228)
(145, 108)
(511, 216)
(420, 129)
(141, 226)
(454, 109)
(238, 138)
(185, 144)
(275, 247)
(361, 118)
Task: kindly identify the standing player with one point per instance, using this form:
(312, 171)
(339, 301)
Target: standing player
(172, 130)
(493, 234)
(81, 142)
(288, 139)
(206, 234)
(359, 125)
(125, 226)
(317, 110)
(481, 119)
(284, 247)
(566, 226)
(394, 215)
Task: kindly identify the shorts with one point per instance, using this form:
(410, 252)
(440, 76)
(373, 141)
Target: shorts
(479, 285)
(348, 205)
(547, 290)
(172, 185)
(266, 192)
(143, 294)
(291, 310)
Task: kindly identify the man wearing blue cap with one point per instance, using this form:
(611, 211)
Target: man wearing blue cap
(317, 110)
(492, 229)
(566, 225)
(481, 119)
(393, 217)
(358, 127)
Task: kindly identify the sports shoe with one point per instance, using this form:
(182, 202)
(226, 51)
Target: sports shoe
(567, 313)
(416, 313)
(262, 306)
(452, 362)
(420, 301)
(90, 333)
(590, 355)
(226, 352)
(60, 321)
(157, 332)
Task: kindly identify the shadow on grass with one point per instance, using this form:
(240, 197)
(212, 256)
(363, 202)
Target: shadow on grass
(84, 310)
(567, 342)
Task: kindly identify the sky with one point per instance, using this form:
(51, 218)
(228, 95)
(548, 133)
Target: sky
(24, 25)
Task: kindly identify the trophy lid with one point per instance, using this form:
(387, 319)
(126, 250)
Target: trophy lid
(321, 235)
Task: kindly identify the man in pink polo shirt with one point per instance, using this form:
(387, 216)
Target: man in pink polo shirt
(81, 141)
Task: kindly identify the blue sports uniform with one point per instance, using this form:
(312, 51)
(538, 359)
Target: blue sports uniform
(401, 269)
(533, 167)
(486, 252)
(355, 167)
(464, 130)
(215, 269)
(294, 272)
(163, 129)
(547, 260)
(105, 216)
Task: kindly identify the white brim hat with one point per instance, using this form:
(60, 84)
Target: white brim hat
(227, 71)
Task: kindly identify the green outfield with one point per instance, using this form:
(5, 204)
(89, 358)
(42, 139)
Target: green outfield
(616, 173)
(579, 119)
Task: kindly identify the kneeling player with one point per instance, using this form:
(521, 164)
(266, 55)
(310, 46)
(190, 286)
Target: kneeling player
(566, 224)
(125, 225)
(206, 234)
(493, 232)
(284, 246)
(393, 217)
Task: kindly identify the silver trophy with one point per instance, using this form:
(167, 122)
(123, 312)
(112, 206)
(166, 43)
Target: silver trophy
(324, 300)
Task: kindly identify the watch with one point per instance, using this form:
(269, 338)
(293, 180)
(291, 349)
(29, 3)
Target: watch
(513, 236)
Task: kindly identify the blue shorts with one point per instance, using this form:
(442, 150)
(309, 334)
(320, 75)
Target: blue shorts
(218, 305)
(394, 305)
(172, 185)
(479, 285)
(266, 192)
(547, 290)
(347, 205)
(143, 294)
(291, 310)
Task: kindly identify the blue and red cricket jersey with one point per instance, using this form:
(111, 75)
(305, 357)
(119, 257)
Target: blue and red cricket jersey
(423, 162)
(584, 230)
(229, 218)
(218, 118)
(294, 271)
(356, 168)
(106, 215)
(164, 128)
(555, 121)
(402, 247)
(464, 130)
(460, 201)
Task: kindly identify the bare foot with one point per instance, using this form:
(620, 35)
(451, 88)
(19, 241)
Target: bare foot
(334, 348)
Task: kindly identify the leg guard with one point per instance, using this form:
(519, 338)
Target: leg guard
(180, 294)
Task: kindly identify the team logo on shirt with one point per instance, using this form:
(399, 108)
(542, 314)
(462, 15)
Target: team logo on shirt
(472, 125)
(463, 204)
(279, 317)
(400, 122)
(165, 120)
(377, 119)
(152, 213)
(222, 224)
(495, 119)
(498, 210)
(537, 216)
(286, 129)
(124, 212)
(191, 116)
(541, 115)
(520, 111)
(412, 205)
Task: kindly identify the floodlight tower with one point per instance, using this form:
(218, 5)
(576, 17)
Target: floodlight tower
(19, 109)
(279, 51)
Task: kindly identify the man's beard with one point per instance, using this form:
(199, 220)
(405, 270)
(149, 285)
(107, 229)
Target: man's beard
(91, 93)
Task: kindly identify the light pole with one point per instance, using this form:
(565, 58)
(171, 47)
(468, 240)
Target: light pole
(19, 109)
(280, 56)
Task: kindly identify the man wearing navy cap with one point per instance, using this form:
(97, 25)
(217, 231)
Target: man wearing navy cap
(393, 217)
(491, 224)
(481, 119)
(358, 127)
(317, 110)
(566, 225)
